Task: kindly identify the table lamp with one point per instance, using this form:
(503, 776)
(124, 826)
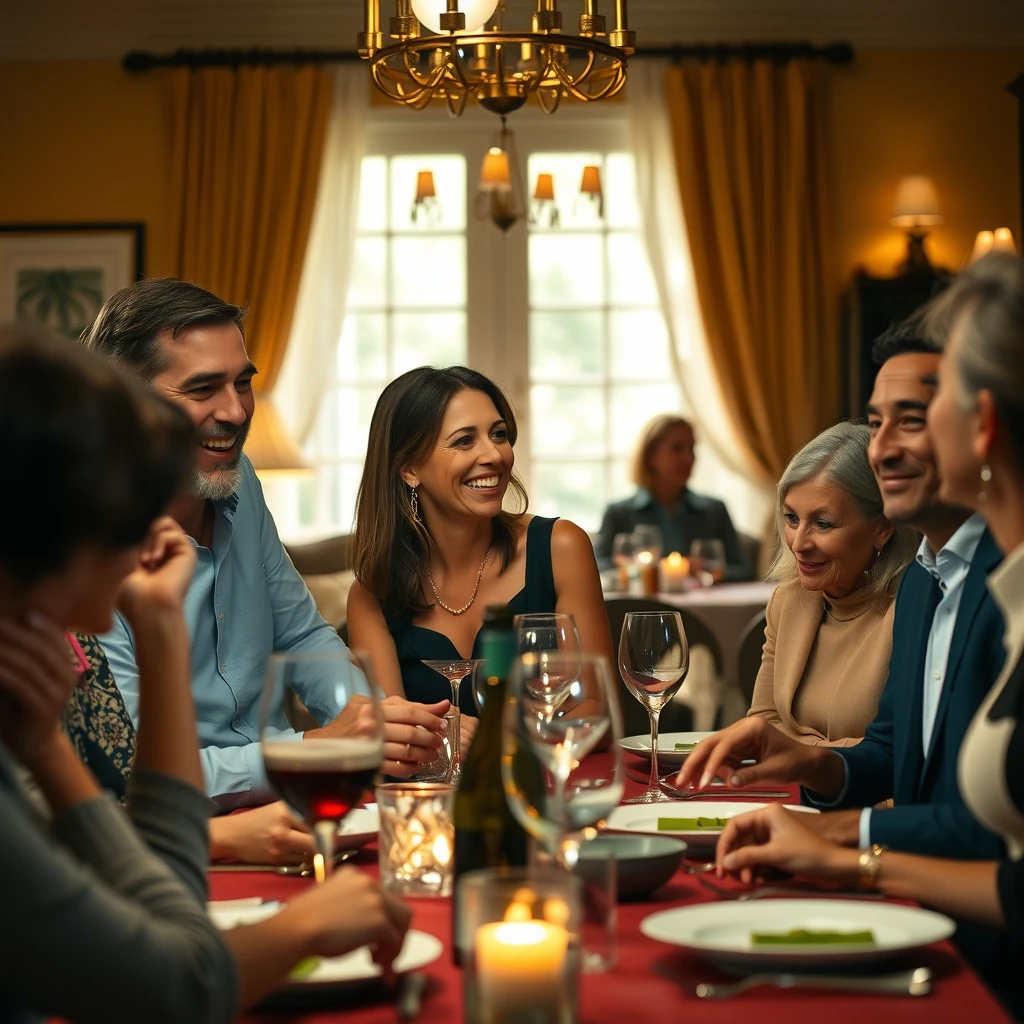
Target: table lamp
(916, 207)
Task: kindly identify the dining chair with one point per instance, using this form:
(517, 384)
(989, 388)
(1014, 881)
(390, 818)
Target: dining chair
(679, 715)
(749, 659)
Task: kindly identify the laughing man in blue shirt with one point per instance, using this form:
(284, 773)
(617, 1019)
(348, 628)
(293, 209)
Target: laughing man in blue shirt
(246, 599)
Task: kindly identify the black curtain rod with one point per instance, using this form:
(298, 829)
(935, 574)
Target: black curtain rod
(139, 60)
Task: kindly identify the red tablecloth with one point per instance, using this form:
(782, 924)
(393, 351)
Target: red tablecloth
(651, 984)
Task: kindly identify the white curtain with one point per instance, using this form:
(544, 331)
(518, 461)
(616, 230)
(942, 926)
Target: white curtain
(721, 468)
(320, 307)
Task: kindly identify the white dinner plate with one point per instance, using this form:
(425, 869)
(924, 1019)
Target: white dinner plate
(644, 818)
(359, 827)
(668, 756)
(721, 931)
(357, 967)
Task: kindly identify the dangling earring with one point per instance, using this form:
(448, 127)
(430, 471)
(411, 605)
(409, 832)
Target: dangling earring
(986, 476)
(414, 504)
(878, 553)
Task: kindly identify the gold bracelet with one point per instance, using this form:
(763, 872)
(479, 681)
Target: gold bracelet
(868, 865)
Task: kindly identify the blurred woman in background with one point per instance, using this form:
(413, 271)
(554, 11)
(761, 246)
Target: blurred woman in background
(661, 469)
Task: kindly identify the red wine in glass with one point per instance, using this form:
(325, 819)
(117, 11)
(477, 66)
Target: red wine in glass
(322, 780)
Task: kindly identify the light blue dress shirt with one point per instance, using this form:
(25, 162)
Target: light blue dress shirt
(950, 567)
(245, 601)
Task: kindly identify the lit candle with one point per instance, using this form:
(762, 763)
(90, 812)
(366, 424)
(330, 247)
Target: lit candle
(520, 969)
(674, 570)
(647, 561)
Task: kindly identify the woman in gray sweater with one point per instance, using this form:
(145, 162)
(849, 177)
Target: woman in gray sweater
(104, 911)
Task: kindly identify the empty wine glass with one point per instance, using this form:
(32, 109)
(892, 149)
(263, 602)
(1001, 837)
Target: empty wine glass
(546, 735)
(653, 658)
(323, 777)
(454, 670)
(707, 560)
(551, 632)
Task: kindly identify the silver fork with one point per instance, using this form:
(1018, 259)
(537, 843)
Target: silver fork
(916, 982)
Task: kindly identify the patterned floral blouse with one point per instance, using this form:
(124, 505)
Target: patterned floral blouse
(95, 718)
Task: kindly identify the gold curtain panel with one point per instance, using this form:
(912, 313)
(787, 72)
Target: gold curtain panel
(246, 151)
(750, 159)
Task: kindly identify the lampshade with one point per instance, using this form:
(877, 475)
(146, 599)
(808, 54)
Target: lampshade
(917, 204)
(425, 186)
(1002, 238)
(591, 183)
(545, 188)
(986, 241)
(982, 244)
(495, 173)
(269, 447)
(477, 12)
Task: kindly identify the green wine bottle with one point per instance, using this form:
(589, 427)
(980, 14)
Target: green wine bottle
(486, 833)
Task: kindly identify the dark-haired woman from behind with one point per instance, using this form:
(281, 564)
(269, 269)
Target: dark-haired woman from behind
(434, 546)
(104, 915)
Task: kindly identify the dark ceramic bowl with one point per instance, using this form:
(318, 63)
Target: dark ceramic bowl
(643, 863)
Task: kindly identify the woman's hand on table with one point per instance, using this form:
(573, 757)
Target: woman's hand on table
(263, 835)
(777, 757)
(774, 837)
(352, 910)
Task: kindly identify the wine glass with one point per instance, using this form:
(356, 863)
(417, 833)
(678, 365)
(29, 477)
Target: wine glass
(546, 735)
(454, 670)
(649, 538)
(707, 560)
(321, 778)
(546, 632)
(653, 658)
(624, 547)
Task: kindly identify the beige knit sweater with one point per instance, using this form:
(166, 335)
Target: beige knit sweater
(824, 664)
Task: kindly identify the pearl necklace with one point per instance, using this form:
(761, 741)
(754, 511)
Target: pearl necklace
(476, 589)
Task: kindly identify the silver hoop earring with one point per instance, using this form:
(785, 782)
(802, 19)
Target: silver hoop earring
(414, 504)
(986, 476)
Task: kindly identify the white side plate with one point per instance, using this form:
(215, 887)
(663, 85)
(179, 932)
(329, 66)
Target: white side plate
(721, 931)
(668, 756)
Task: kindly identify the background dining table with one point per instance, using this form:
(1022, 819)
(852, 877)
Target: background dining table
(651, 983)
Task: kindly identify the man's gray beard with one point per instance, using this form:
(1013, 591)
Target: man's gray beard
(221, 483)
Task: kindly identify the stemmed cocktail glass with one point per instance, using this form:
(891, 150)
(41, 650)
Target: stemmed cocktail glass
(454, 670)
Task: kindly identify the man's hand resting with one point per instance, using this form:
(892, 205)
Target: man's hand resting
(263, 835)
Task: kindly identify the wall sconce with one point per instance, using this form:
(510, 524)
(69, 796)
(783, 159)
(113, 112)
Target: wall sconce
(426, 208)
(591, 191)
(499, 193)
(544, 209)
(1000, 239)
(916, 207)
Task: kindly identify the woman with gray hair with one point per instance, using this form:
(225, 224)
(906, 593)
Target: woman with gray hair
(828, 634)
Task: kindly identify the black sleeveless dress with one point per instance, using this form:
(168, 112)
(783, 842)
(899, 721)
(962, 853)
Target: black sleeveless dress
(415, 643)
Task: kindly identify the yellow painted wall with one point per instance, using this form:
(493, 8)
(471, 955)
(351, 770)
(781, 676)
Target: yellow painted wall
(945, 114)
(86, 141)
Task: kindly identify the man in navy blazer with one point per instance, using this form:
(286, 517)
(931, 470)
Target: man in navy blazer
(947, 650)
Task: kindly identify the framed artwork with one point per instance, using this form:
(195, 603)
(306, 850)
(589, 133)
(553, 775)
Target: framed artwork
(60, 274)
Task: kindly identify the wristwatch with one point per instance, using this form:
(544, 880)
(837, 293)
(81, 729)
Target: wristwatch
(868, 865)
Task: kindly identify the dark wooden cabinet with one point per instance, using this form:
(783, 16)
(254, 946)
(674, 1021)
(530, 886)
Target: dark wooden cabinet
(872, 304)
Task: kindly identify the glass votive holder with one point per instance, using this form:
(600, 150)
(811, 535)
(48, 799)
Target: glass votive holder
(518, 936)
(417, 837)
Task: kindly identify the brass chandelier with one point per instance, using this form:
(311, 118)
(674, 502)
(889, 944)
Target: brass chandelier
(499, 69)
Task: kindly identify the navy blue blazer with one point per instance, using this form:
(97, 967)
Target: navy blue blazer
(929, 816)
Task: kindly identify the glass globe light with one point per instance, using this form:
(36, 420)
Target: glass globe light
(477, 12)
